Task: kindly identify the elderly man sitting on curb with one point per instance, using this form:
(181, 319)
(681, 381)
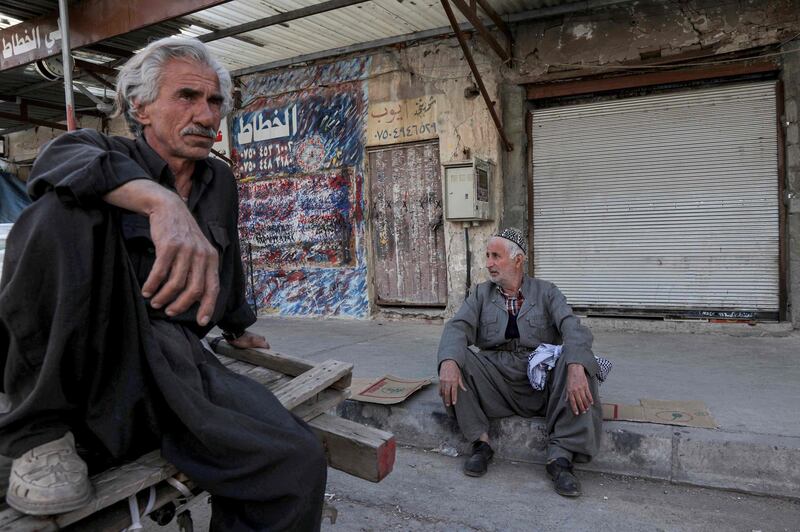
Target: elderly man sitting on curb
(507, 318)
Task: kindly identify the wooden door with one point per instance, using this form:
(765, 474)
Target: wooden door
(407, 226)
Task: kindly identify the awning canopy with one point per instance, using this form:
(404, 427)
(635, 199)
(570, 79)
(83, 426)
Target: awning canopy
(246, 35)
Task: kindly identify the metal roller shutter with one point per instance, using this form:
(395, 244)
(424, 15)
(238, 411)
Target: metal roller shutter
(660, 202)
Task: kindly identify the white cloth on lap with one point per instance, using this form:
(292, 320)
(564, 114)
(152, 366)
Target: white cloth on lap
(544, 358)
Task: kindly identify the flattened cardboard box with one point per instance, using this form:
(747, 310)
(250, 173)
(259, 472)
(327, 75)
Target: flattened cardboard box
(683, 413)
(386, 390)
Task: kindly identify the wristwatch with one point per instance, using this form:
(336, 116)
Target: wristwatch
(231, 336)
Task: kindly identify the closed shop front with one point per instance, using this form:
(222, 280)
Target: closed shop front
(661, 204)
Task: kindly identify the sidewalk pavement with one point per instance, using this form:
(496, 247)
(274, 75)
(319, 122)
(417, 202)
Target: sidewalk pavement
(750, 383)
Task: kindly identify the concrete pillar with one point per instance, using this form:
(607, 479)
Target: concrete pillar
(791, 89)
(515, 175)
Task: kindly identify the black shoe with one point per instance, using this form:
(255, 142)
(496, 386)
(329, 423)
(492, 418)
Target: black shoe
(564, 482)
(476, 465)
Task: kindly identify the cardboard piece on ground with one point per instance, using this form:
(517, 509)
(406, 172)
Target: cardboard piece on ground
(386, 390)
(684, 413)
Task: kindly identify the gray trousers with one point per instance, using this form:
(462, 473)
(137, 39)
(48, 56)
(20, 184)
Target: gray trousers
(497, 386)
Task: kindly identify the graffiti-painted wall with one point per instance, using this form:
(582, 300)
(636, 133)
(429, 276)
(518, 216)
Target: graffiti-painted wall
(298, 148)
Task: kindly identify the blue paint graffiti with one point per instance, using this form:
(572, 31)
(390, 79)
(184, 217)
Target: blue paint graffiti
(298, 149)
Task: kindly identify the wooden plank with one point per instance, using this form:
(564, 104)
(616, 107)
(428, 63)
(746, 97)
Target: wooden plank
(267, 377)
(118, 516)
(226, 361)
(355, 449)
(265, 358)
(314, 381)
(240, 367)
(119, 483)
(112, 485)
(361, 451)
(321, 403)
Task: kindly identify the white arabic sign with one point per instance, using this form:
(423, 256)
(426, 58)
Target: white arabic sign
(261, 128)
(28, 41)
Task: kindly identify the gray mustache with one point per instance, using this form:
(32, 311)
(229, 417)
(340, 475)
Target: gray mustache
(199, 130)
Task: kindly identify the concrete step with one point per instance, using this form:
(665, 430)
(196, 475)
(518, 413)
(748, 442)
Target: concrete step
(748, 462)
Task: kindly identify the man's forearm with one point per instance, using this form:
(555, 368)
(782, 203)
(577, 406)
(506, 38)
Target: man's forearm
(143, 196)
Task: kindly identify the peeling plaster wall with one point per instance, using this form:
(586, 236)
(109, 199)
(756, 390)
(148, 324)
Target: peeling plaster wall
(650, 29)
(24, 146)
(464, 126)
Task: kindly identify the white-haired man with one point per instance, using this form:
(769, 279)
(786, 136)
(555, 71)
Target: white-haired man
(127, 258)
(507, 318)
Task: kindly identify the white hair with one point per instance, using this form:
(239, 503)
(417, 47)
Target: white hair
(140, 79)
(513, 248)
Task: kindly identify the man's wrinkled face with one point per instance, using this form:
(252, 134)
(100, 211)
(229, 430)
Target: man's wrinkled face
(183, 120)
(504, 270)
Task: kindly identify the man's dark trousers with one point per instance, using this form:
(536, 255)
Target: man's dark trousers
(79, 352)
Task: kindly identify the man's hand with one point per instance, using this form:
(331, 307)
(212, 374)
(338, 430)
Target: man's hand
(250, 340)
(186, 266)
(450, 381)
(578, 393)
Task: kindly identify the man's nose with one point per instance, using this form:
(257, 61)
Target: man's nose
(204, 115)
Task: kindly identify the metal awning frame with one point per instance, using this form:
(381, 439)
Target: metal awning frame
(100, 72)
(504, 55)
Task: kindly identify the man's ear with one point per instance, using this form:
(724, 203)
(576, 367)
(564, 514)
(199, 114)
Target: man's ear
(141, 112)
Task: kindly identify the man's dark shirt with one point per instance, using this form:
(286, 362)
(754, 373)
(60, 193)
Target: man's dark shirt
(85, 165)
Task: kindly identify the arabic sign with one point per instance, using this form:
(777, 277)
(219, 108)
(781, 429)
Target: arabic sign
(319, 131)
(402, 121)
(258, 128)
(26, 40)
(91, 21)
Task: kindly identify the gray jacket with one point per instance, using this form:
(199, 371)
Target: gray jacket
(545, 318)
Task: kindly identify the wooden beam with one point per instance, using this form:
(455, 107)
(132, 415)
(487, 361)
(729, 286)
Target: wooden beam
(40, 103)
(34, 121)
(590, 86)
(355, 449)
(96, 68)
(499, 22)
(118, 516)
(477, 75)
(321, 403)
(478, 24)
(92, 21)
(105, 49)
(280, 18)
(115, 484)
(362, 451)
(313, 381)
(103, 81)
(265, 358)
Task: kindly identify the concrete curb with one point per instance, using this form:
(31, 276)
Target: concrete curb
(742, 330)
(752, 463)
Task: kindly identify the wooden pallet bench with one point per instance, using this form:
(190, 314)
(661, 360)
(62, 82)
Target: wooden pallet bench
(310, 391)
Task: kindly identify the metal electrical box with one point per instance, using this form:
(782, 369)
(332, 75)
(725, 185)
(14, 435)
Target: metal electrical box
(468, 190)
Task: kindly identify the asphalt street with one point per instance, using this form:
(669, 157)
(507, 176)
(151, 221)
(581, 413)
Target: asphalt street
(427, 491)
